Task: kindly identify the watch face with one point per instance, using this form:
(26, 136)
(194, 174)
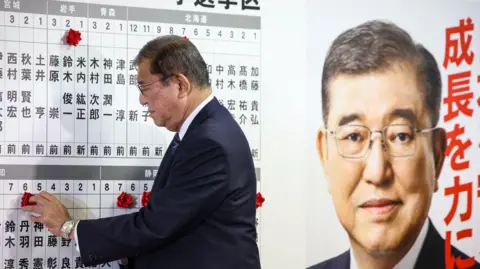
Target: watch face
(67, 226)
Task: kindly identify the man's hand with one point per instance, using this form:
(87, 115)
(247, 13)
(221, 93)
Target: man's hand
(52, 212)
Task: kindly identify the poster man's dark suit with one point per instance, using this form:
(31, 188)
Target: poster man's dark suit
(201, 212)
(431, 256)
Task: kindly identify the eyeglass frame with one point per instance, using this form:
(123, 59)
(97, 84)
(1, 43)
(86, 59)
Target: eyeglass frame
(382, 135)
(142, 86)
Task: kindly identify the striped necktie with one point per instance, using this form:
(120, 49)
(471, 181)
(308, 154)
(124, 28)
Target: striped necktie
(176, 141)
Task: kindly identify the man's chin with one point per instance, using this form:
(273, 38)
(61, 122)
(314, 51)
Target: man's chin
(158, 122)
(380, 252)
(380, 248)
(379, 241)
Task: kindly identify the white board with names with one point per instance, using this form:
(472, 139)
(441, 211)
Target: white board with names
(70, 118)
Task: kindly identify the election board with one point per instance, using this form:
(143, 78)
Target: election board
(70, 118)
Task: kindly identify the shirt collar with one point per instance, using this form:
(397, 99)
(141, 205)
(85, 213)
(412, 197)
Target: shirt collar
(409, 260)
(189, 119)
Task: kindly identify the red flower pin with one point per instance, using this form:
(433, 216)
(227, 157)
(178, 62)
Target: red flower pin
(260, 200)
(25, 199)
(73, 37)
(145, 198)
(124, 200)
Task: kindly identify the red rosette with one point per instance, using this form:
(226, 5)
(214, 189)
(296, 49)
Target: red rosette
(145, 198)
(260, 200)
(26, 199)
(73, 37)
(124, 200)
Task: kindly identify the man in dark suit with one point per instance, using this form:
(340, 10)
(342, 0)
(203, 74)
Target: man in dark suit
(430, 248)
(381, 149)
(201, 212)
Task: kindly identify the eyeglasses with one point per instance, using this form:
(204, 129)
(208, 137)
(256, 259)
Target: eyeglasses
(141, 87)
(398, 140)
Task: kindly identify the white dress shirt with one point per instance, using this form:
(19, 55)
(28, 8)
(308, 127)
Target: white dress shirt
(189, 119)
(408, 261)
(182, 132)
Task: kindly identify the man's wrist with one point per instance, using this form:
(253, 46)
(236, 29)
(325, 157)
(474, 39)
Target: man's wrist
(72, 234)
(68, 229)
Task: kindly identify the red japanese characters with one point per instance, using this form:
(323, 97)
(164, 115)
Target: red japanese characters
(124, 200)
(458, 61)
(73, 37)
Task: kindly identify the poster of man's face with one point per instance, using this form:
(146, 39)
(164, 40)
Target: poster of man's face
(383, 147)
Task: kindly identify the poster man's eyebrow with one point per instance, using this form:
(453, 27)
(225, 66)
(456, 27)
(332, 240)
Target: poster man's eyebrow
(349, 118)
(405, 113)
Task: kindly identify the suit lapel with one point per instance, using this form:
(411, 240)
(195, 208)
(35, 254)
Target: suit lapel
(207, 112)
(432, 254)
(164, 170)
(344, 261)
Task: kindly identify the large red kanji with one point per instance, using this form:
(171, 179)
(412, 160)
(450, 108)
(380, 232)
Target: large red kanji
(452, 262)
(478, 100)
(456, 190)
(478, 191)
(459, 94)
(462, 43)
(454, 142)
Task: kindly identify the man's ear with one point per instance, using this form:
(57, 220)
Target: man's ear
(184, 85)
(439, 147)
(322, 149)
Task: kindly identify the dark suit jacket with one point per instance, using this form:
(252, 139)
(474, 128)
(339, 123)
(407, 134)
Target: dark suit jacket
(431, 256)
(201, 213)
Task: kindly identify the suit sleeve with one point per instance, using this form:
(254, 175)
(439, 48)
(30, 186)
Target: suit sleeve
(197, 185)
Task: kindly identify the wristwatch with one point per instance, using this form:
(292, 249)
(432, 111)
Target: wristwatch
(68, 227)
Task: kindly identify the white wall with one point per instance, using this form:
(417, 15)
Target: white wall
(284, 134)
(426, 21)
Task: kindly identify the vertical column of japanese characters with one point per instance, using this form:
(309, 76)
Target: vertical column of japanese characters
(460, 63)
(52, 113)
(254, 116)
(107, 17)
(253, 85)
(94, 84)
(63, 92)
(94, 96)
(67, 86)
(106, 26)
(156, 29)
(121, 81)
(2, 80)
(24, 76)
(75, 16)
(53, 88)
(120, 96)
(133, 45)
(81, 81)
(146, 124)
(39, 77)
(66, 52)
(11, 133)
(25, 135)
(12, 44)
(2, 118)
